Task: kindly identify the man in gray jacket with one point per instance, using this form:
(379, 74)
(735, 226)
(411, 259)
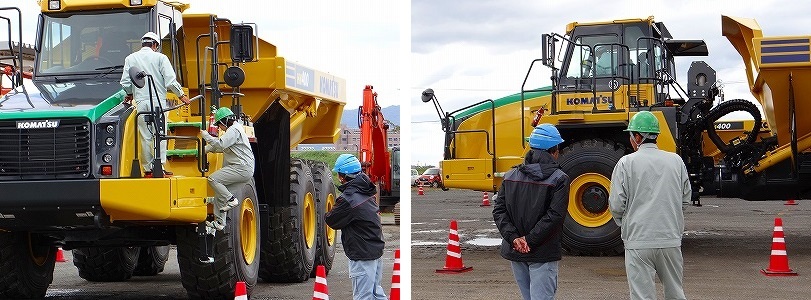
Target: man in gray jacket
(237, 164)
(649, 189)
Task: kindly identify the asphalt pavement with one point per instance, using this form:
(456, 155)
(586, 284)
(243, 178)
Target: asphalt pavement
(67, 285)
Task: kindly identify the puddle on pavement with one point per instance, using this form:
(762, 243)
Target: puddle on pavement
(424, 243)
(699, 233)
(428, 231)
(484, 242)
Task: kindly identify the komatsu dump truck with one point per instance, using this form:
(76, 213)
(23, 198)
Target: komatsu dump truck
(605, 72)
(70, 174)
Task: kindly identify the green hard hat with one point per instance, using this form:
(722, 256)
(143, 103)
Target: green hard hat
(645, 122)
(222, 113)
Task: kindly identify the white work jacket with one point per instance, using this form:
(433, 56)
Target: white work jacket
(649, 189)
(163, 75)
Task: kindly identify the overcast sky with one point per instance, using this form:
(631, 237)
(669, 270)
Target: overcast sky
(472, 50)
(357, 40)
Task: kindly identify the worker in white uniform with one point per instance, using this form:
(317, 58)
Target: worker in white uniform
(150, 60)
(237, 166)
(649, 190)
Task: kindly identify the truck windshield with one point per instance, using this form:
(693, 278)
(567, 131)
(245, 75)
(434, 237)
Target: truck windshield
(89, 42)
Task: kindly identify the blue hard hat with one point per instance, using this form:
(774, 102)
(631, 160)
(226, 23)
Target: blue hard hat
(544, 136)
(347, 164)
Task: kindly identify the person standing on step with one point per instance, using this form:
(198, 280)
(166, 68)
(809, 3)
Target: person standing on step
(649, 190)
(529, 212)
(163, 75)
(237, 165)
(355, 214)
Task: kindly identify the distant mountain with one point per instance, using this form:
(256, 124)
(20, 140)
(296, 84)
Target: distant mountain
(350, 116)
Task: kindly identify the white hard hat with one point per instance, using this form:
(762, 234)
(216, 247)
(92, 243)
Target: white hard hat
(151, 37)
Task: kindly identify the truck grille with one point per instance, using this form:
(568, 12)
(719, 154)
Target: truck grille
(45, 153)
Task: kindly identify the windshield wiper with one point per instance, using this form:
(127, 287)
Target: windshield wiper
(108, 71)
(110, 68)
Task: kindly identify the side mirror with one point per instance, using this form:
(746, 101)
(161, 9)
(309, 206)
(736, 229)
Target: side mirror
(137, 76)
(241, 43)
(234, 76)
(548, 50)
(427, 95)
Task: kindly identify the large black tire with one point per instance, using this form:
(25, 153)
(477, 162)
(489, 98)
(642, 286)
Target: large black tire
(325, 200)
(26, 269)
(235, 259)
(588, 228)
(151, 260)
(106, 264)
(286, 254)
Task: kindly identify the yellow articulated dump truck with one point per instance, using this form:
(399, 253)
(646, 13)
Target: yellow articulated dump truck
(70, 174)
(605, 72)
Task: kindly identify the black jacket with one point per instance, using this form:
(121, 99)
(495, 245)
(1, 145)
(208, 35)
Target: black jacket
(532, 202)
(355, 214)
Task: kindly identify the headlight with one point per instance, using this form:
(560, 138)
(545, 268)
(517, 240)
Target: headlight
(107, 158)
(136, 2)
(109, 141)
(54, 4)
(110, 128)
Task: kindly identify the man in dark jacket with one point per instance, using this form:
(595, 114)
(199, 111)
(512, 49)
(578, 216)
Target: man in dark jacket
(355, 214)
(529, 213)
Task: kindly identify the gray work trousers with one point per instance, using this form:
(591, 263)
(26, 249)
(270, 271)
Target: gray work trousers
(146, 137)
(642, 264)
(223, 181)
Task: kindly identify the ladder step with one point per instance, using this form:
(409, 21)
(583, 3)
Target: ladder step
(181, 152)
(184, 124)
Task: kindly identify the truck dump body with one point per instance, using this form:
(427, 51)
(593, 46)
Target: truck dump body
(777, 69)
(314, 99)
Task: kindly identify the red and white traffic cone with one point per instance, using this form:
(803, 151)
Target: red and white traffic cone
(395, 277)
(240, 291)
(453, 259)
(778, 263)
(485, 200)
(420, 191)
(790, 202)
(60, 257)
(320, 290)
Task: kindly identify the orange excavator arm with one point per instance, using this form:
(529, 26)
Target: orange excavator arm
(374, 153)
(9, 71)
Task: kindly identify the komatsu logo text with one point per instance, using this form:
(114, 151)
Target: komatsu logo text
(589, 100)
(37, 124)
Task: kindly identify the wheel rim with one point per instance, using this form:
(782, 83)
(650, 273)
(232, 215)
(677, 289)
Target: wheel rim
(39, 255)
(309, 220)
(330, 232)
(247, 231)
(588, 200)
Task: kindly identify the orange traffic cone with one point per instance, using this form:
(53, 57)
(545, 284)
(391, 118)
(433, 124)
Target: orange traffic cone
(60, 257)
(485, 200)
(790, 202)
(240, 291)
(395, 277)
(419, 191)
(778, 264)
(320, 290)
(453, 260)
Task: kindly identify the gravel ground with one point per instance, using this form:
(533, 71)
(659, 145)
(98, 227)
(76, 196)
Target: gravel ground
(726, 243)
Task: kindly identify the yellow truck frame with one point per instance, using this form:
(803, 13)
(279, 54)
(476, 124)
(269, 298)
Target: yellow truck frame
(69, 171)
